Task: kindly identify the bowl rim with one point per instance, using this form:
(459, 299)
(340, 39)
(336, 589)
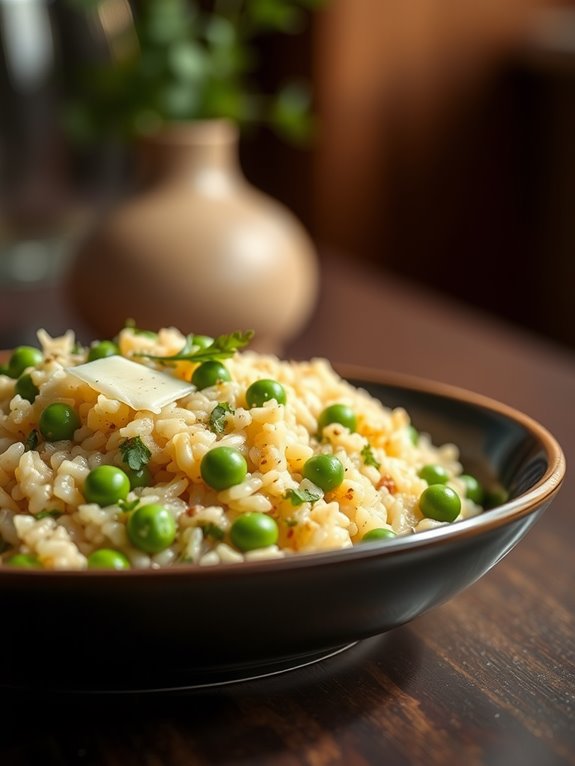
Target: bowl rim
(513, 510)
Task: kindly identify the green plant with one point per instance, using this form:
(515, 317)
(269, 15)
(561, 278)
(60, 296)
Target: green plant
(183, 60)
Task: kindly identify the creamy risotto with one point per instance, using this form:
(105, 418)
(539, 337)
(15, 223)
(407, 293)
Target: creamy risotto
(158, 449)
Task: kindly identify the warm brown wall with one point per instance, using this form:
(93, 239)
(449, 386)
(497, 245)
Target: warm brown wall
(388, 68)
(446, 151)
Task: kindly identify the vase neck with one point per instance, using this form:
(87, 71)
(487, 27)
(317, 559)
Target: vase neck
(202, 155)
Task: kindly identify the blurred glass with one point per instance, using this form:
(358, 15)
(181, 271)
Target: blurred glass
(48, 188)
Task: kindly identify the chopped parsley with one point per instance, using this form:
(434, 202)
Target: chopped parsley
(299, 496)
(217, 422)
(222, 347)
(32, 440)
(135, 453)
(128, 505)
(212, 530)
(292, 522)
(130, 324)
(53, 514)
(368, 457)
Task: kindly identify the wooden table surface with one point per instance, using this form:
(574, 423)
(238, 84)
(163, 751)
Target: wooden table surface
(488, 678)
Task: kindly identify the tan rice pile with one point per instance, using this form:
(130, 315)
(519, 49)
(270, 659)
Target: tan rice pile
(276, 440)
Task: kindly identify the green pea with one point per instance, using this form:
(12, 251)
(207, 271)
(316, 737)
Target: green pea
(263, 390)
(254, 530)
(26, 387)
(140, 478)
(24, 561)
(434, 474)
(381, 533)
(22, 358)
(325, 471)
(151, 528)
(208, 374)
(440, 503)
(106, 485)
(473, 489)
(101, 349)
(337, 413)
(223, 467)
(58, 421)
(107, 558)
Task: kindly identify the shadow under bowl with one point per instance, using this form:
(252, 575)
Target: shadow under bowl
(188, 627)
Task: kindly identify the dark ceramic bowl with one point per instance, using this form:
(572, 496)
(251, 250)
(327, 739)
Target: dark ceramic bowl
(186, 627)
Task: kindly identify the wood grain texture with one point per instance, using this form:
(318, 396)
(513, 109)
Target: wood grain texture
(488, 678)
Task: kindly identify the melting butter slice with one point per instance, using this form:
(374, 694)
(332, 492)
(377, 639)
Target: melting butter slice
(131, 383)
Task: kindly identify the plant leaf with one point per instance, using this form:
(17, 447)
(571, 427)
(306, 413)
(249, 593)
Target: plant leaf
(290, 113)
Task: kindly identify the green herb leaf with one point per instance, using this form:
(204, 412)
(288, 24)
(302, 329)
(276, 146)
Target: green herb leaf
(182, 60)
(128, 505)
(54, 514)
(368, 457)
(299, 496)
(212, 530)
(291, 522)
(290, 113)
(135, 453)
(217, 422)
(32, 440)
(130, 324)
(223, 347)
(276, 16)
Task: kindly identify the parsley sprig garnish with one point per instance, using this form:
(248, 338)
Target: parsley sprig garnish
(135, 453)
(222, 347)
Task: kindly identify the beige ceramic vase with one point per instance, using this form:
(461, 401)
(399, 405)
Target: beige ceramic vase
(198, 248)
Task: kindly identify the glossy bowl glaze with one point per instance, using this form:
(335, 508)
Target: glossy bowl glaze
(185, 626)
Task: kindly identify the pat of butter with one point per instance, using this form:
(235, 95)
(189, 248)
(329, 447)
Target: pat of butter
(134, 384)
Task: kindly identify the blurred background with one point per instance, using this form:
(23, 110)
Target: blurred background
(444, 148)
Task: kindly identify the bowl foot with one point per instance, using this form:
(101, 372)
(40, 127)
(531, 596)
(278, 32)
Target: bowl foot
(177, 680)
